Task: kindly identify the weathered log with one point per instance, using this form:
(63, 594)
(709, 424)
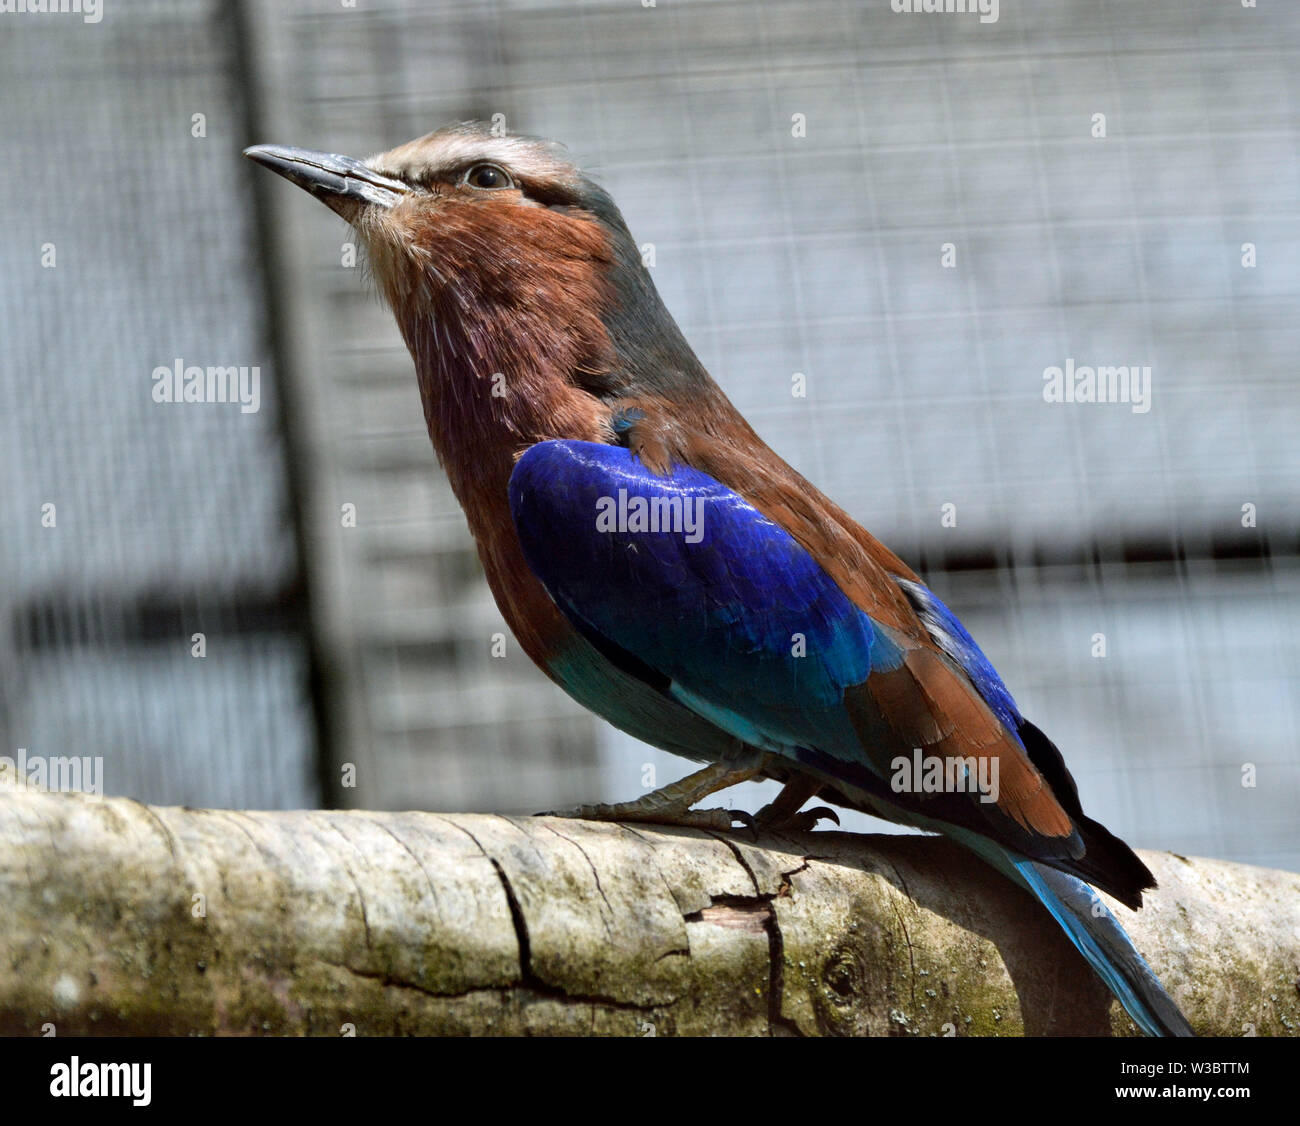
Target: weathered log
(123, 918)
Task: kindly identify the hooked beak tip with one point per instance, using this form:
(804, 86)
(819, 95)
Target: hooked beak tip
(343, 184)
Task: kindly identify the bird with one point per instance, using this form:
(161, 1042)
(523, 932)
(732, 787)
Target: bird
(668, 569)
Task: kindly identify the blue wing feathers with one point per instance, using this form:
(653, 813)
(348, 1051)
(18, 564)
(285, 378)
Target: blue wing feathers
(744, 618)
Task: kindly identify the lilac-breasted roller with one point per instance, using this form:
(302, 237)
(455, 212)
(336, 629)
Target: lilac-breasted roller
(666, 568)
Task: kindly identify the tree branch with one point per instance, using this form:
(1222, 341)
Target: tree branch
(124, 918)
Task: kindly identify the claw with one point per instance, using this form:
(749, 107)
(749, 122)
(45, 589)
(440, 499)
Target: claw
(807, 821)
(746, 819)
(771, 821)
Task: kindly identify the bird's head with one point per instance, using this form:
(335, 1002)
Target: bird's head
(501, 259)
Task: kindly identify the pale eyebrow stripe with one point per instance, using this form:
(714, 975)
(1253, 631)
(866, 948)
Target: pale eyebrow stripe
(450, 152)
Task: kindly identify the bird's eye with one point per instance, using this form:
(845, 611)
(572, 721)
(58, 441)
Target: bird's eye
(488, 176)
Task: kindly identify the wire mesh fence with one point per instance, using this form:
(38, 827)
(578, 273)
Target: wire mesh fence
(898, 241)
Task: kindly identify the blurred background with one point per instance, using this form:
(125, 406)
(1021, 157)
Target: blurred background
(907, 216)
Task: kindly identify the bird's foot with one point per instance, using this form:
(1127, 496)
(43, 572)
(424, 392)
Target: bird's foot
(719, 820)
(671, 805)
(782, 814)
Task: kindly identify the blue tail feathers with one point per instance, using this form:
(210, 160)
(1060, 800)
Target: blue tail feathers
(1097, 935)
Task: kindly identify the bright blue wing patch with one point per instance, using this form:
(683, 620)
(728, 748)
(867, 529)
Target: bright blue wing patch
(697, 585)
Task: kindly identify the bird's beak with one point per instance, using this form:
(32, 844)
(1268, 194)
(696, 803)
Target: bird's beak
(341, 183)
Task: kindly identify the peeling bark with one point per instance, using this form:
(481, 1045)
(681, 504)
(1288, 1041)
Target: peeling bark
(122, 918)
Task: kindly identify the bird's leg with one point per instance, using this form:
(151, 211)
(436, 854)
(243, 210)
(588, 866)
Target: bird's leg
(671, 804)
(782, 813)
